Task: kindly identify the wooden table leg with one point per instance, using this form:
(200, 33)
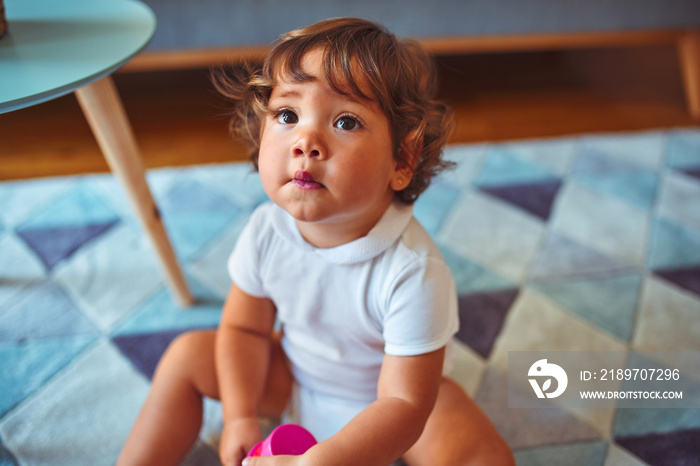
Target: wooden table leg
(105, 113)
(690, 62)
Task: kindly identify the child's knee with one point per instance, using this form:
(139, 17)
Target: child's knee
(183, 345)
(187, 350)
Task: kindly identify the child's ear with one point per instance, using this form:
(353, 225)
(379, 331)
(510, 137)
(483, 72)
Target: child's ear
(406, 161)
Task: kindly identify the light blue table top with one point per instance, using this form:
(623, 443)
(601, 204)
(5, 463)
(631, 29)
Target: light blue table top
(53, 47)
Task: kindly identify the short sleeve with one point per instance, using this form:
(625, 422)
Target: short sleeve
(244, 261)
(422, 314)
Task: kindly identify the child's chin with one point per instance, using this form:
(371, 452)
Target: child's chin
(305, 212)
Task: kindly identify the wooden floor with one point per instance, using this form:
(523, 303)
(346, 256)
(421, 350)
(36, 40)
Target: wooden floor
(179, 120)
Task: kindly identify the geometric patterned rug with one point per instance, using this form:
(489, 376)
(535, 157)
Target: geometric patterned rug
(577, 243)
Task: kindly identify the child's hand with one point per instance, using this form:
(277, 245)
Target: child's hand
(237, 438)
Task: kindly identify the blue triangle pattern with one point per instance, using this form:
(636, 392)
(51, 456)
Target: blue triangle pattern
(588, 453)
(687, 278)
(683, 151)
(638, 189)
(160, 313)
(638, 421)
(562, 256)
(46, 312)
(194, 214)
(695, 173)
(625, 180)
(645, 148)
(190, 232)
(609, 302)
(685, 384)
(661, 449)
(145, 350)
(535, 198)
(79, 206)
(54, 244)
(470, 277)
(555, 154)
(503, 168)
(6, 457)
(481, 318)
(189, 196)
(239, 183)
(673, 245)
(431, 208)
(593, 162)
(25, 367)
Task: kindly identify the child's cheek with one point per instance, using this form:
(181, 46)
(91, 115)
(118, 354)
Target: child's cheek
(269, 182)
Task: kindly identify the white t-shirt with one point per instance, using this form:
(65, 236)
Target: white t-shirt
(343, 308)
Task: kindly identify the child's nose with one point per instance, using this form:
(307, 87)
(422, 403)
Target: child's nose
(311, 153)
(309, 144)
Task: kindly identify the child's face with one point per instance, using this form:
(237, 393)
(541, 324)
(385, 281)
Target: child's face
(327, 158)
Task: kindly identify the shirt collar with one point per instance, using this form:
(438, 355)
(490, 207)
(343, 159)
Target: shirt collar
(385, 233)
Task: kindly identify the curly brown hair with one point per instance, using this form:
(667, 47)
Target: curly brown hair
(363, 59)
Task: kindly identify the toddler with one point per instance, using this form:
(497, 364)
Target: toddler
(345, 134)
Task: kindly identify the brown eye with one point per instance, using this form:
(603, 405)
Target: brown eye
(287, 117)
(347, 123)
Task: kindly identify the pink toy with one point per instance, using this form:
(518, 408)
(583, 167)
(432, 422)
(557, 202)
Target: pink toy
(287, 439)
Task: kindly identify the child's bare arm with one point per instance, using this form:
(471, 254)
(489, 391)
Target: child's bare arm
(408, 387)
(242, 359)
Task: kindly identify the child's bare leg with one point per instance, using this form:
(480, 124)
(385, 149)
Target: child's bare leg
(171, 418)
(458, 433)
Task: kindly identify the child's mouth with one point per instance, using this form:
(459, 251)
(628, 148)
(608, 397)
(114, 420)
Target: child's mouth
(304, 180)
